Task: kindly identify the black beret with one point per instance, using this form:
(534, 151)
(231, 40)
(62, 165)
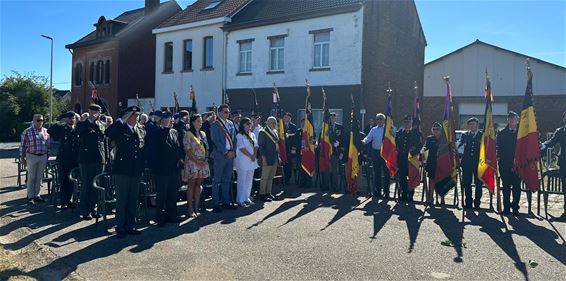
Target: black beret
(512, 114)
(183, 113)
(165, 115)
(473, 119)
(132, 109)
(94, 107)
(407, 118)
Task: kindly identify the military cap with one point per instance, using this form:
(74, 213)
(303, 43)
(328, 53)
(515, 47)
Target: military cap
(437, 125)
(332, 113)
(158, 113)
(235, 113)
(512, 114)
(183, 113)
(132, 109)
(94, 107)
(165, 115)
(473, 119)
(176, 115)
(408, 118)
(67, 114)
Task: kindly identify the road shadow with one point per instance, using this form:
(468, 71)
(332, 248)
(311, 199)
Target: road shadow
(452, 228)
(381, 213)
(413, 218)
(504, 240)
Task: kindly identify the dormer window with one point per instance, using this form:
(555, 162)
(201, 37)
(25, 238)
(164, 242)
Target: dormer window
(212, 5)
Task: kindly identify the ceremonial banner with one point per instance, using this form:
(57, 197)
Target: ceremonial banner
(414, 160)
(353, 165)
(527, 153)
(388, 149)
(487, 166)
(324, 140)
(278, 112)
(308, 141)
(445, 176)
(192, 97)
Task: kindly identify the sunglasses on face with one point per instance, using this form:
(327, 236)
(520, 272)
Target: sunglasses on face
(39, 120)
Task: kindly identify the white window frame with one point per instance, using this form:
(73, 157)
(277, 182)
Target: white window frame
(245, 58)
(320, 63)
(279, 55)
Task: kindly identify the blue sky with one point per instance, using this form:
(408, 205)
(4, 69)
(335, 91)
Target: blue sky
(534, 28)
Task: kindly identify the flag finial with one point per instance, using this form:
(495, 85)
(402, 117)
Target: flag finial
(389, 88)
(446, 79)
(416, 87)
(529, 72)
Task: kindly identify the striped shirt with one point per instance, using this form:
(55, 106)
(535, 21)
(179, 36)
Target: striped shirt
(34, 141)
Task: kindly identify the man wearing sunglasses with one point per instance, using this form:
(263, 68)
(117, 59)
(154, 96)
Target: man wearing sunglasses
(223, 137)
(34, 148)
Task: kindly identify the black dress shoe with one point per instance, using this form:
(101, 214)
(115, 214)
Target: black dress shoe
(229, 207)
(86, 218)
(161, 224)
(31, 202)
(133, 232)
(516, 213)
(95, 215)
(38, 199)
(120, 234)
(505, 212)
(71, 205)
(265, 198)
(176, 220)
(217, 209)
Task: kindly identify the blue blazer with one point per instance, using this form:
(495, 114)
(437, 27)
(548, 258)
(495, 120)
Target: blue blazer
(219, 138)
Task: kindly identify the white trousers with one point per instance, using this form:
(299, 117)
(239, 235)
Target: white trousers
(35, 166)
(245, 181)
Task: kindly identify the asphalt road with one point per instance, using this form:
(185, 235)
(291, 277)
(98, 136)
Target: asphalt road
(313, 236)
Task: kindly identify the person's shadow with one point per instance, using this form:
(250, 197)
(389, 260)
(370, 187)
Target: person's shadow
(381, 213)
(452, 228)
(413, 217)
(492, 227)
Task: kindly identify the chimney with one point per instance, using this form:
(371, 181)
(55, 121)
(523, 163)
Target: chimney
(151, 5)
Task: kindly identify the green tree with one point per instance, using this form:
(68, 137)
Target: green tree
(21, 96)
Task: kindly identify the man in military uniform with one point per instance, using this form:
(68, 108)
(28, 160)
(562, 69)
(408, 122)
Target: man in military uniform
(469, 163)
(337, 141)
(128, 166)
(92, 158)
(559, 137)
(151, 127)
(408, 140)
(166, 168)
(511, 183)
(182, 126)
(67, 156)
(290, 145)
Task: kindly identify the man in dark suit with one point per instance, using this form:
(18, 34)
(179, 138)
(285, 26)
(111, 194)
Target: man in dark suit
(469, 163)
(67, 156)
(269, 151)
(92, 158)
(166, 169)
(224, 139)
(150, 128)
(559, 137)
(290, 145)
(408, 140)
(182, 126)
(128, 166)
(511, 183)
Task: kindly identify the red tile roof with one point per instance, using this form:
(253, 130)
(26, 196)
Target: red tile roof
(196, 11)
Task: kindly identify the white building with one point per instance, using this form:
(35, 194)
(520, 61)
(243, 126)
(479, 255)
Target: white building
(507, 71)
(190, 49)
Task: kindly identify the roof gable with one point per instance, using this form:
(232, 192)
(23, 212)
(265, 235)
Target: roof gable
(478, 42)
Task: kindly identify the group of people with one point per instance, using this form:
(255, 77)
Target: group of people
(189, 148)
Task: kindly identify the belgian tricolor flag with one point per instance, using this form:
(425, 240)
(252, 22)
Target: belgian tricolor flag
(388, 147)
(445, 176)
(324, 141)
(353, 164)
(487, 165)
(307, 147)
(527, 152)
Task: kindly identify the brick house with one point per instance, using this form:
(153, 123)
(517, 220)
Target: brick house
(118, 57)
(507, 70)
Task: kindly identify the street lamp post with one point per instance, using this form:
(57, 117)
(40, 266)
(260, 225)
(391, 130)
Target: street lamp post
(50, 81)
